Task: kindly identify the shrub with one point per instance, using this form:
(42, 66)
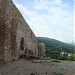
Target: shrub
(73, 57)
(44, 56)
(69, 58)
(34, 73)
(62, 57)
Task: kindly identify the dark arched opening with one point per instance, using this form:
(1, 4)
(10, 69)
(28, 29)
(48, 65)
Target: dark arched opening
(22, 47)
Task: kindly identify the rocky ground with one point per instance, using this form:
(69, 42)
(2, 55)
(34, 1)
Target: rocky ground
(27, 67)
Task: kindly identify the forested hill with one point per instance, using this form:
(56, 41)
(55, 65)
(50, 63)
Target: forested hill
(52, 44)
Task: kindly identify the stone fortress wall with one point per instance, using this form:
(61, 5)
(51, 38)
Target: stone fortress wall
(15, 34)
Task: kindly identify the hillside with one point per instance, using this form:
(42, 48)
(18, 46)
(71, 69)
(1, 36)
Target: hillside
(52, 44)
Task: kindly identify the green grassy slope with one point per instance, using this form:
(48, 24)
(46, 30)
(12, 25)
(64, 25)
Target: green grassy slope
(52, 44)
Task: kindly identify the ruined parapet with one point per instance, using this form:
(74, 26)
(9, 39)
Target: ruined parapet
(13, 28)
(41, 49)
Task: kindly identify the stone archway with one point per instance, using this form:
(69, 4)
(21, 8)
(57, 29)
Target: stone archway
(22, 47)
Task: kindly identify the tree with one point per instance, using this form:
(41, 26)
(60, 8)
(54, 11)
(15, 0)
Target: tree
(73, 57)
(62, 57)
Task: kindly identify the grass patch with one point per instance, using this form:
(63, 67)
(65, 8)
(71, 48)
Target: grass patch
(34, 73)
(55, 73)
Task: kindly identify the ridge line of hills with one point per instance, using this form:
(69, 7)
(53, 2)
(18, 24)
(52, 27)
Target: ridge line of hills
(56, 45)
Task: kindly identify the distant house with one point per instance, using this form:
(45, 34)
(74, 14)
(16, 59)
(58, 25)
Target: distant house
(66, 53)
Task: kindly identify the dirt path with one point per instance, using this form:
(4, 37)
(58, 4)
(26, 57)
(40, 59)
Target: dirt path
(26, 67)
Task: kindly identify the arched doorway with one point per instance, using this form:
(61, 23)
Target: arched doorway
(22, 47)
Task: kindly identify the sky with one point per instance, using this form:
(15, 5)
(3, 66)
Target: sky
(49, 18)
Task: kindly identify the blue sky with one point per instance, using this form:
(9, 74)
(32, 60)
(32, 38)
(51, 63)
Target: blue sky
(49, 18)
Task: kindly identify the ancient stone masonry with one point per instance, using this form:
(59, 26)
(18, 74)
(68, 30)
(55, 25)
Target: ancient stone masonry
(16, 37)
(41, 49)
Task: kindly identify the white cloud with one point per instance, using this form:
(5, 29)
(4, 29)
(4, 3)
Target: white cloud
(74, 20)
(40, 5)
(47, 24)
